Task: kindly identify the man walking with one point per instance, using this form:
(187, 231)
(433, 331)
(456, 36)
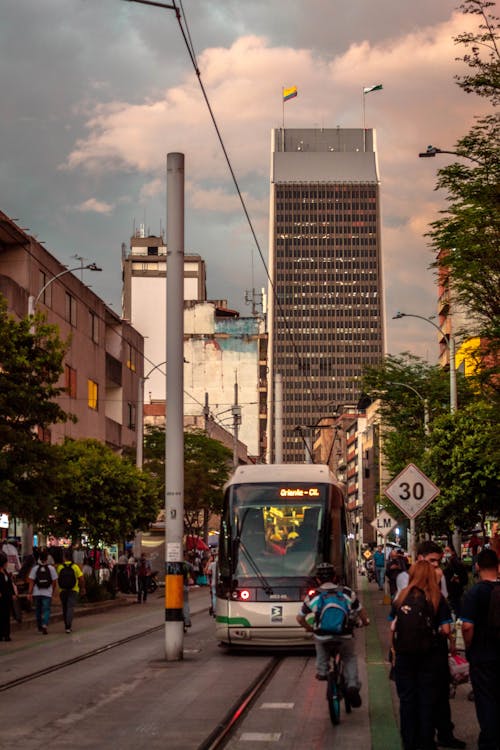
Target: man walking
(379, 560)
(71, 583)
(143, 576)
(481, 607)
(42, 583)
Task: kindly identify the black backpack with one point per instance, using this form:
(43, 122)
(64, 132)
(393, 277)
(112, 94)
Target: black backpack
(494, 611)
(43, 579)
(67, 577)
(414, 631)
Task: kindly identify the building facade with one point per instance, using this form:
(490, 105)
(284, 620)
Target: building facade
(326, 317)
(144, 299)
(224, 354)
(104, 358)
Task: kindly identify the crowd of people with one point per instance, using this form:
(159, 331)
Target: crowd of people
(427, 601)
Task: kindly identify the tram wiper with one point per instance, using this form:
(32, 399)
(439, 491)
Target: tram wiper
(265, 583)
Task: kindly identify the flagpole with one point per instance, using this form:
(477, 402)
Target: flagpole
(283, 106)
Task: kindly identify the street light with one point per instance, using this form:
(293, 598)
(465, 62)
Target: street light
(33, 301)
(431, 151)
(449, 340)
(425, 404)
(139, 450)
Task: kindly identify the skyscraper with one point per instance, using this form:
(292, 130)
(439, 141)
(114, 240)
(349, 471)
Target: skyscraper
(325, 298)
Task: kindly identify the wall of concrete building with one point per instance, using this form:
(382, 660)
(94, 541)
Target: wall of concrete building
(100, 346)
(218, 353)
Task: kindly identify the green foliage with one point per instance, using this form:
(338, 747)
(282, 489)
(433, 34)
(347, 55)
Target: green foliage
(407, 387)
(463, 460)
(469, 229)
(101, 494)
(207, 466)
(31, 359)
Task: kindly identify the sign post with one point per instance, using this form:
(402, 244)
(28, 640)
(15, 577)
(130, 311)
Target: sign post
(411, 491)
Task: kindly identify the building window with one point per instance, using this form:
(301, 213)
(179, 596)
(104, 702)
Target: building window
(70, 309)
(131, 416)
(94, 327)
(130, 357)
(70, 381)
(43, 281)
(93, 394)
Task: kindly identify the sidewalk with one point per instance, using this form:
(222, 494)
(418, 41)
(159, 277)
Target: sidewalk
(382, 691)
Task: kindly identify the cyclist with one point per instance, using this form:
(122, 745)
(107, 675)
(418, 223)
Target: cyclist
(327, 580)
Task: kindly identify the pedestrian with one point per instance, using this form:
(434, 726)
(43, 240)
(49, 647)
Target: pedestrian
(456, 577)
(187, 574)
(419, 614)
(313, 606)
(432, 553)
(71, 583)
(7, 595)
(396, 564)
(143, 578)
(379, 560)
(481, 632)
(42, 584)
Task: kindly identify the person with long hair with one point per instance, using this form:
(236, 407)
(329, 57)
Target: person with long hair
(420, 616)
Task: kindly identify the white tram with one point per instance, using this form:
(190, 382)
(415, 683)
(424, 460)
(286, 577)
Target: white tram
(279, 522)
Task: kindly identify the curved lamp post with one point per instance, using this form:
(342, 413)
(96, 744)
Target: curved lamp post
(425, 404)
(449, 340)
(139, 450)
(431, 151)
(33, 301)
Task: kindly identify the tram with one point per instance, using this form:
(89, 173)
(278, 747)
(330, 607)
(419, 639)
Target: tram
(279, 521)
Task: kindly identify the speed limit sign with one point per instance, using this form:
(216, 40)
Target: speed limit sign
(411, 491)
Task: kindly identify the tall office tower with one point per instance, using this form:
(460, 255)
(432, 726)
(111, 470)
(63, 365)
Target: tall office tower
(326, 316)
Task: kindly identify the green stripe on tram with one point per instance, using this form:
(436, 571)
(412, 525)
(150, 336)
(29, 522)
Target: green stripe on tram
(241, 621)
(383, 726)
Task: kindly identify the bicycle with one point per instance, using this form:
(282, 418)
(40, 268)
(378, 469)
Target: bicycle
(335, 687)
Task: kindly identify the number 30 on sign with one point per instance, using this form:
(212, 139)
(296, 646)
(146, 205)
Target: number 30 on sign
(411, 491)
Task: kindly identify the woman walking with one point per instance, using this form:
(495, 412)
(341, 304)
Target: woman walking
(420, 615)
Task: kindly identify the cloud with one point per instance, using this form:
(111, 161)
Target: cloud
(94, 206)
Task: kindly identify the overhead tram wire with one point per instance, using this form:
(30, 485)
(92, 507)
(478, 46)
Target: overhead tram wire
(189, 46)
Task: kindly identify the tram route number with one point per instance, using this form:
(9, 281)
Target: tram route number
(411, 491)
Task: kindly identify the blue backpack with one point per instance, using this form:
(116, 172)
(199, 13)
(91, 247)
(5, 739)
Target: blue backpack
(332, 614)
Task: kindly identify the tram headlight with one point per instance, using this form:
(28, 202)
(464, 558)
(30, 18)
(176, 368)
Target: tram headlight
(245, 595)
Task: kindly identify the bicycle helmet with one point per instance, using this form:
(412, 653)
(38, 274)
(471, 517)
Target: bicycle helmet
(325, 571)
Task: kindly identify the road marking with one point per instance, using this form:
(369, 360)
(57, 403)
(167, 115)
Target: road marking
(260, 737)
(288, 706)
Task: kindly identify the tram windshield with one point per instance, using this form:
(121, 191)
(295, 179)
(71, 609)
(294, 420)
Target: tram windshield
(278, 528)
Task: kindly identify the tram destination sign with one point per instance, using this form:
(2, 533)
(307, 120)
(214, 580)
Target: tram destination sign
(411, 491)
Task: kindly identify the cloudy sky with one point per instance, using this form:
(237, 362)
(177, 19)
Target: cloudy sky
(96, 93)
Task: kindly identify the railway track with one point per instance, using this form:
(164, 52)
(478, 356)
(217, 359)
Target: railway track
(82, 657)
(219, 736)
(223, 730)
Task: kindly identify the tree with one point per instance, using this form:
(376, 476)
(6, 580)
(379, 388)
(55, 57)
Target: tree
(31, 357)
(469, 230)
(406, 387)
(100, 494)
(463, 460)
(206, 468)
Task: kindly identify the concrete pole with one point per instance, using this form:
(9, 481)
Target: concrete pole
(236, 410)
(139, 449)
(453, 374)
(174, 412)
(278, 418)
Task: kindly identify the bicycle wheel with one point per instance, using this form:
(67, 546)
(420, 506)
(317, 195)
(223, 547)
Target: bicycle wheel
(333, 698)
